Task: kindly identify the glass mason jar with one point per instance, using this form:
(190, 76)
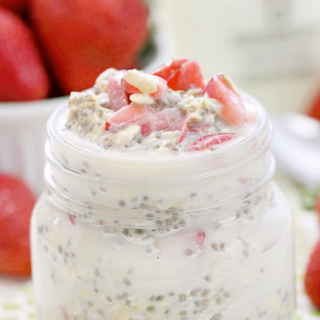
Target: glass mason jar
(205, 236)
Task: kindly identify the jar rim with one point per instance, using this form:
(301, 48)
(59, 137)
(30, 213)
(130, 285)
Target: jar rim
(123, 158)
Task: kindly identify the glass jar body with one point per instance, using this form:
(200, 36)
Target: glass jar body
(235, 266)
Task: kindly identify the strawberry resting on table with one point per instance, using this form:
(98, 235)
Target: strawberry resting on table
(169, 111)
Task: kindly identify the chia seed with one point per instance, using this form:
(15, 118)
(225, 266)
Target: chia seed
(217, 316)
(159, 222)
(207, 278)
(128, 303)
(145, 198)
(96, 272)
(182, 297)
(183, 222)
(134, 199)
(214, 246)
(188, 252)
(121, 203)
(159, 298)
(204, 304)
(195, 312)
(193, 293)
(193, 195)
(144, 206)
(150, 309)
(226, 295)
(205, 292)
(108, 299)
(95, 290)
(125, 232)
(219, 300)
(171, 294)
(183, 313)
(60, 249)
(127, 283)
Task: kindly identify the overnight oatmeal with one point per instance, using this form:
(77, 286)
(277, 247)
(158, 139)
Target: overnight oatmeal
(161, 205)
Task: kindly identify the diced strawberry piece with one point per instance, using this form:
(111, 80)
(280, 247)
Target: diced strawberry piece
(208, 141)
(162, 120)
(71, 218)
(167, 71)
(160, 82)
(162, 88)
(182, 126)
(312, 278)
(232, 109)
(196, 243)
(189, 76)
(117, 95)
(202, 127)
(181, 74)
(133, 113)
(129, 88)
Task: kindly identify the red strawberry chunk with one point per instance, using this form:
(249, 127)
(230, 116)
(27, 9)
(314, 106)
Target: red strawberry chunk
(181, 126)
(196, 243)
(312, 278)
(161, 87)
(208, 141)
(232, 109)
(181, 74)
(129, 88)
(133, 113)
(117, 95)
(167, 71)
(202, 127)
(162, 120)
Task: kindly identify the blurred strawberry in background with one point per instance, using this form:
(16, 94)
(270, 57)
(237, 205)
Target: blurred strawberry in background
(78, 39)
(82, 38)
(23, 75)
(14, 5)
(314, 110)
(16, 204)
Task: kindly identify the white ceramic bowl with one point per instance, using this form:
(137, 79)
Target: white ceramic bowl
(22, 137)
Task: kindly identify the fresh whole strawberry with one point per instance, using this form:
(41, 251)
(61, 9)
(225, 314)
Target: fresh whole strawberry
(22, 73)
(82, 38)
(14, 5)
(312, 278)
(16, 204)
